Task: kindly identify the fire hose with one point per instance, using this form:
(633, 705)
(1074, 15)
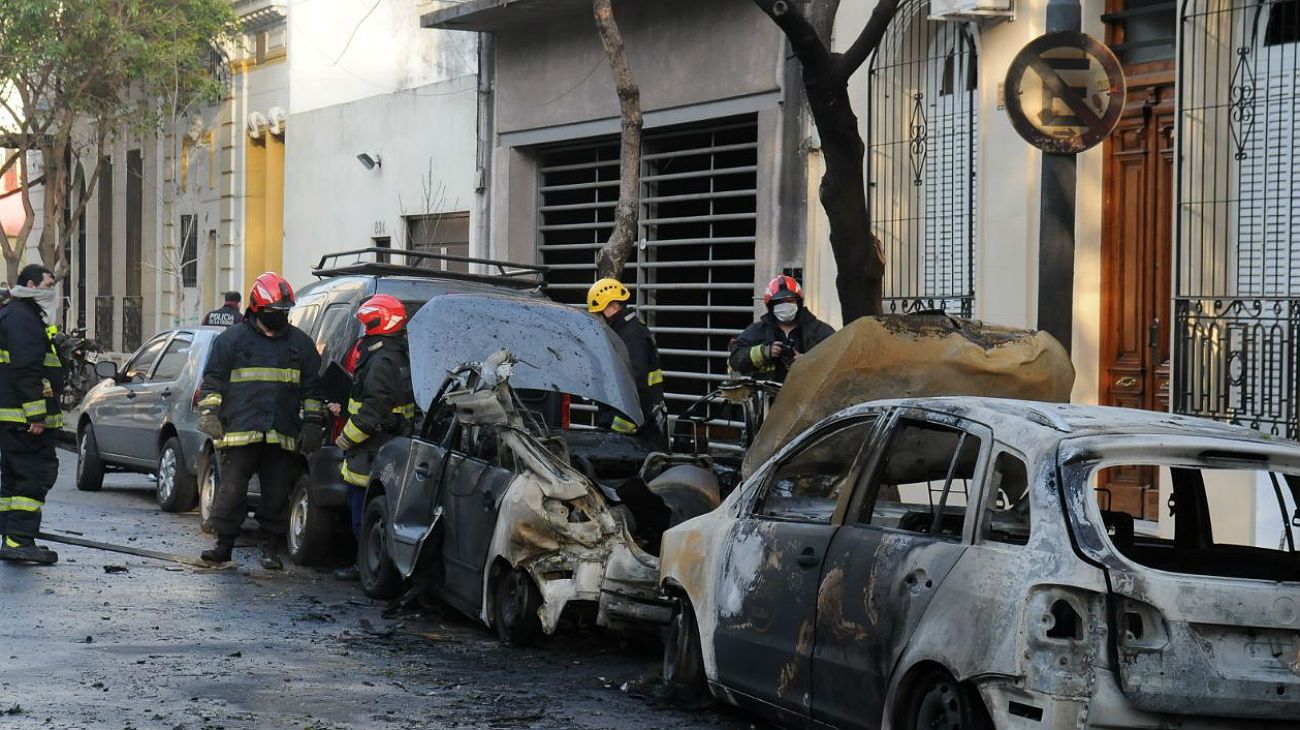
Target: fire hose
(125, 550)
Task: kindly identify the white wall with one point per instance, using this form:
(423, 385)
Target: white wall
(424, 137)
(345, 51)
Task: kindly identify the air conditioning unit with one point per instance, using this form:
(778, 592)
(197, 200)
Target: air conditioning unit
(971, 9)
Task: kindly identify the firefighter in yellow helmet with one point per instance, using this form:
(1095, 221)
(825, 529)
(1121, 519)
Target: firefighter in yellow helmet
(608, 298)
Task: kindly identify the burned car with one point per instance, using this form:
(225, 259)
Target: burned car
(956, 563)
(502, 516)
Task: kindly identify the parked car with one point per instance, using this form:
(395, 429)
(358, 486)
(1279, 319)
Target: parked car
(142, 418)
(326, 311)
(955, 563)
(504, 517)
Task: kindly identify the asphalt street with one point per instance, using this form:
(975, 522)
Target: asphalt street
(104, 640)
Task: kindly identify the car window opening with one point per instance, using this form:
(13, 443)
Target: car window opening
(924, 479)
(1198, 531)
(807, 485)
(1007, 516)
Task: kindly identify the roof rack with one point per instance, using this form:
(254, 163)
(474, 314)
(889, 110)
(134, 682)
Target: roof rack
(516, 276)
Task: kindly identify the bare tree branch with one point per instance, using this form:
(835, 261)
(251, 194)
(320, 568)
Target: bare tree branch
(616, 251)
(868, 40)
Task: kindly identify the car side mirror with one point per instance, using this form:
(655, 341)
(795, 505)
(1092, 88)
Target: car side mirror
(106, 369)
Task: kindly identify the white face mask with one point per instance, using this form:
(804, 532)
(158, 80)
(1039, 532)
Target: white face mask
(786, 311)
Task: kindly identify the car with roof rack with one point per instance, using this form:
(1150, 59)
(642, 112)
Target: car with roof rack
(326, 310)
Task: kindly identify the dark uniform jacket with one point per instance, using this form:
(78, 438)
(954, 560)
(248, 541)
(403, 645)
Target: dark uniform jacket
(643, 355)
(223, 317)
(381, 404)
(263, 385)
(748, 355)
(31, 374)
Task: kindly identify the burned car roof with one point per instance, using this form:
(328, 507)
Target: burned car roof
(558, 348)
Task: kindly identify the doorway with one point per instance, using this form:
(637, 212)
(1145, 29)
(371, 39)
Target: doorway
(1137, 236)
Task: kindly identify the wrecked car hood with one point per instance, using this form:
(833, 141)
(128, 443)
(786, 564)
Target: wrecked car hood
(559, 348)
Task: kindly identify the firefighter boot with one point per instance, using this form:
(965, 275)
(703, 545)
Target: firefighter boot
(25, 549)
(348, 574)
(271, 553)
(220, 553)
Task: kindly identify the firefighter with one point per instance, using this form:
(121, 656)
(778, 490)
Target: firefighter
(380, 406)
(607, 297)
(260, 402)
(227, 315)
(768, 347)
(31, 377)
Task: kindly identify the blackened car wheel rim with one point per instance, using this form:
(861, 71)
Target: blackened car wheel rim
(82, 449)
(375, 557)
(940, 707)
(166, 475)
(207, 492)
(298, 522)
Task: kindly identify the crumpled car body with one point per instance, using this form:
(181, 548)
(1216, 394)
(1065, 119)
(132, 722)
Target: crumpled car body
(966, 557)
(487, 489)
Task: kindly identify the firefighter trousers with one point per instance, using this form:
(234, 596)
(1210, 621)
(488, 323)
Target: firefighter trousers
(29, 466)
(276, 470)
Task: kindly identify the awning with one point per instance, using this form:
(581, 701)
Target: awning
(490, 16)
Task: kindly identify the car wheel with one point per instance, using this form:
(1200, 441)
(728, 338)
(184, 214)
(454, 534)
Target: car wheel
(178, 490)
(938, 702)
(208, 489)
(514, 608)
(379, 577)
(90, 468)
(309, 527)
(683, 660)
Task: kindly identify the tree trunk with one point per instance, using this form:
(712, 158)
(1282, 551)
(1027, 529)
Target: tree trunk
(616, 251)
(859, 257)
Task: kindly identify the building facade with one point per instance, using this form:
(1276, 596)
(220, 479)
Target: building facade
(1185, 230)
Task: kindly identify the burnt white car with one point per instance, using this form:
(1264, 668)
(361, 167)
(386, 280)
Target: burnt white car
(509, 518)
(952, 563)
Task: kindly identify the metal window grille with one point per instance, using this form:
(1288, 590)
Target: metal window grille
(189, 253)
(921, 136)
(132, 322)
(1237, 297)
(692, 276)
(104, 306)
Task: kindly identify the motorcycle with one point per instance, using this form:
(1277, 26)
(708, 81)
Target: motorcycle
(79, 355)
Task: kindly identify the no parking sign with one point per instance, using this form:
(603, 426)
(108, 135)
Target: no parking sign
(1065, 92)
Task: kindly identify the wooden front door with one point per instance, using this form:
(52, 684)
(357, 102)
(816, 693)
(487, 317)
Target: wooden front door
(1137, 250)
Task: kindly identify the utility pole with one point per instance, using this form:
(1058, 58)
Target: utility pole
(1056, 214)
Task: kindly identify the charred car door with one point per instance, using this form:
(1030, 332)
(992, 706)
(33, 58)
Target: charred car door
(471, 497)
(903, 532)
(413, 505)
(768, 596)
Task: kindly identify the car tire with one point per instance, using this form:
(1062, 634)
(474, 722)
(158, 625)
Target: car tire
(310, 527)
(208, 481)
(90, 468)
(514, 607)
(178, 490)
(937, 700)
(683, 670)
(379, 576)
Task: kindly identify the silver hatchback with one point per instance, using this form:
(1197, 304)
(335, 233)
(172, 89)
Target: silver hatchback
(142, 418)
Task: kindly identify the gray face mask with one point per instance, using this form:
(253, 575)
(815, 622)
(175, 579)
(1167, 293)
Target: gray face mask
(785, 311)
(46, 298)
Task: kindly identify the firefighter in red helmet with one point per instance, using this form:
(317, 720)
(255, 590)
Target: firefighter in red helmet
(768, 347)
(380, 406)
(261, 403)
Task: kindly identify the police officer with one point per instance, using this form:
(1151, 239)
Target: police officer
(608, 297)
(227, 315)
(260, 402)
(380, 406)
(31, 377)
(768, 347)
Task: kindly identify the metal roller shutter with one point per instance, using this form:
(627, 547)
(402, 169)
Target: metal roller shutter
(693, 276)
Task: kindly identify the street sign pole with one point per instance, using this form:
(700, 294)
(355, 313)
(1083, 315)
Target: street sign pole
(1056, 214)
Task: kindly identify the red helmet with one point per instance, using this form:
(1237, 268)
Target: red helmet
(382, 314)
(782, 287)
(270, 291)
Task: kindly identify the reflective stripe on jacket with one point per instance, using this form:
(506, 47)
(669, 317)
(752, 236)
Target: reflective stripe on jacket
(749, 356)
(264, 386)
(31, 374)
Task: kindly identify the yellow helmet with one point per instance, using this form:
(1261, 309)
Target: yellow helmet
(605, 291)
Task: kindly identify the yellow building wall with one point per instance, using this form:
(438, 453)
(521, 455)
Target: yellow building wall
(264, 228)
